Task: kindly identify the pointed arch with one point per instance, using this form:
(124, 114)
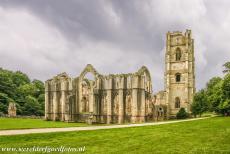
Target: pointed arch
(144, 71)
(89, 69)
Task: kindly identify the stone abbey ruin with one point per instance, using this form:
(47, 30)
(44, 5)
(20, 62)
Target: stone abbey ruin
(125, 98)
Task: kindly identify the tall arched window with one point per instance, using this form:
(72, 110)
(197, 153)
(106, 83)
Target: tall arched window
(178, 54)
(178, 77)
(177, 102)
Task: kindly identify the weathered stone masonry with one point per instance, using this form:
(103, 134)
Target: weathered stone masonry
(111, 99)
(126, 97)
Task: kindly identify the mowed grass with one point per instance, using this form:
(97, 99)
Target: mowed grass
(20, 123)
(208, 136)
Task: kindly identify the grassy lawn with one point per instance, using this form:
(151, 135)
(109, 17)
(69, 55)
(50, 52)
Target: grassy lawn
(208, 136)
(20, 123)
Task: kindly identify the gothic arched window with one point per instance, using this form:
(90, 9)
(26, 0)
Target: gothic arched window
(178, 77)
(178, 54)
(177, 102)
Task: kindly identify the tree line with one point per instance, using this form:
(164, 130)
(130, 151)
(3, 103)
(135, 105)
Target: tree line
(215, 97)
(17, 87)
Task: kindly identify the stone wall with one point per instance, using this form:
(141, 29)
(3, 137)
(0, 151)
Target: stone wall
(110, 98)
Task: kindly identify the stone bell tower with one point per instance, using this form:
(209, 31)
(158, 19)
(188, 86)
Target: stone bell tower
(179, 71)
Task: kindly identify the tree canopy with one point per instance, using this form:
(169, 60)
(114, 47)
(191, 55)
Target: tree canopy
(200, 104)
(226, 67)
(17, 87)
(215, 96)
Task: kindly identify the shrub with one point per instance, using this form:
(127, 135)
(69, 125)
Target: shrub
(182, 114)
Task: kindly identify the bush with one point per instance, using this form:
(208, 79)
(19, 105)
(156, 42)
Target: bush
(182, 114)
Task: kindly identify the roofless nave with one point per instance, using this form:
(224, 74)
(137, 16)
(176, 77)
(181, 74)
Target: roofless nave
(124, 98)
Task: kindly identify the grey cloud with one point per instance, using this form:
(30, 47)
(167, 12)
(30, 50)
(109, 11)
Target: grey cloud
(120, 36)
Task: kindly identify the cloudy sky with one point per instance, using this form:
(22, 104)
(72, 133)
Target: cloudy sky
(45, 37)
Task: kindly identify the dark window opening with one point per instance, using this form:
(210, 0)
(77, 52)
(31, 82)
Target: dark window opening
(178, 77)
(177, 102)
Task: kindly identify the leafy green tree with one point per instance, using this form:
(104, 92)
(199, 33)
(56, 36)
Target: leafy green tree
(17, 87)
(3, 108)
(226, 87)
(226, 67)
(214, 93)
(182, 114)
(27, 89)
(6, 83)
(32, 107)
(20, 78)
(19, 109)
(41, 100)
(40, 89)
(4, 102)
(224, 106)
(200, 104)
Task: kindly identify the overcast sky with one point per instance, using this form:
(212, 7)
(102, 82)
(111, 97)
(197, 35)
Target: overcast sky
(45, 37)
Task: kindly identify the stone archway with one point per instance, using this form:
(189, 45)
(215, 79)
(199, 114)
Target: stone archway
(88, 84)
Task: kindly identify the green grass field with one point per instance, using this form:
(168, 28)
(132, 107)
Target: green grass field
(20, 123)
(208, 136)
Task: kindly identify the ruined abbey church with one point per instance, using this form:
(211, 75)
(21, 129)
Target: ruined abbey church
(125, 98)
